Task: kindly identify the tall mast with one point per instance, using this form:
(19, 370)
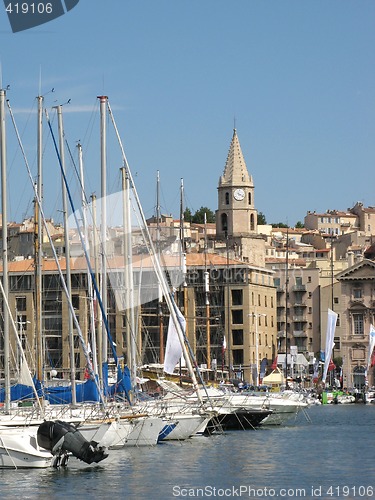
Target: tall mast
(89, 278)
(5, 248)
(103, 219)
(207, 295)
(160, 294)
(129, 284)
(286, 305)
(98, 322)
(67, 256)
(183, 257)
(38, 248)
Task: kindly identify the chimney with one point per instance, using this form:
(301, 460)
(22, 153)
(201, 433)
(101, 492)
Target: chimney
(350, 259)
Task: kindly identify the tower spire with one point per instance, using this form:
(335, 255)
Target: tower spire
(235, 170)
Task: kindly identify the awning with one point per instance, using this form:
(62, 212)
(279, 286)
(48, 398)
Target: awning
(297, 360)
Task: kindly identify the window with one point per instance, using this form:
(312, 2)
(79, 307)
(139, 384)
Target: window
(252, 223)
(357, 293)
(309, 279)
(237, 317)
(337, 343)
(21, 303)
(224, 222)
(336, 300)
(237, 337)
(237, 297)
(75, 301)
(249, 197)
(227, 198)
(358, 324)
(237, 356)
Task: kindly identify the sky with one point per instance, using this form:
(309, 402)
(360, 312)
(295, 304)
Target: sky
(296, 78)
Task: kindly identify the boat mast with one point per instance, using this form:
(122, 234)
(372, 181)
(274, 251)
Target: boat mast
(5, 248)
(98, 322)
(286, 306)
(103, 221)
(89, 278)
(183, 288)
(160, 294)
(38, 248)
(128, 276)
(67, 255)
(207, 295)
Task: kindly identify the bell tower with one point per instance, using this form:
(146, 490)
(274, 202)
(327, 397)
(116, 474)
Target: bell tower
(236, 216)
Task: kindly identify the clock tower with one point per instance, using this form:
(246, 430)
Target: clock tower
(236, 216)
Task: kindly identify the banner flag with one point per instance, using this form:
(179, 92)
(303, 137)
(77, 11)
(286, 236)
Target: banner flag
(331, 327)
(173, 348)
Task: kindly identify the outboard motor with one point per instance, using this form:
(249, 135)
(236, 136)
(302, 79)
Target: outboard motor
(60, 438)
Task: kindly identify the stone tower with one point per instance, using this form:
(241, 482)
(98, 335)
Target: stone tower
(236, 217)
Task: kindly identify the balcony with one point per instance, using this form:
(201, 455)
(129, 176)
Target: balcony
(299, 288)
(299, 333)
(299, 319)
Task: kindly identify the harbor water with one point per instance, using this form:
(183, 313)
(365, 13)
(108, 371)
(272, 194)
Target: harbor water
(326, 452)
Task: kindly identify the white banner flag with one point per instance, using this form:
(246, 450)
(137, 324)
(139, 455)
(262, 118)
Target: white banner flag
(331, 327)
(371, 345)
(173, 348)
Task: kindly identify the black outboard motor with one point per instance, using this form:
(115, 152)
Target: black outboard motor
(61, 437)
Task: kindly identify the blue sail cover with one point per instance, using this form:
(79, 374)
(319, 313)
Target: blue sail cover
(123, 384)
(85, 392)
(18, 392)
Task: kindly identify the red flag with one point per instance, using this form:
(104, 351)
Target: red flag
(331, 365)
(274, 364)
(373, 359)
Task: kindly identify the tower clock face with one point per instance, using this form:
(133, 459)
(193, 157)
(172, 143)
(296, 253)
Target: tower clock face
(239, 194)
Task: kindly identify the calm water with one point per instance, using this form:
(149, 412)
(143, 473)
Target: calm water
(333, 454)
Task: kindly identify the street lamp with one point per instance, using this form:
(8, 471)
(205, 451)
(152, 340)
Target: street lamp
(256, 316)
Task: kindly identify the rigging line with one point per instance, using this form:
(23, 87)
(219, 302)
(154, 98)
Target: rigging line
(62, 280)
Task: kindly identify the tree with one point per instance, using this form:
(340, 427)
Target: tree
(198, 217)
(300, 225)
(261, 219)
(188, 216)
(279, 224)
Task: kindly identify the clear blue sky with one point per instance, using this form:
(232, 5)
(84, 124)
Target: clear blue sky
(297, 76)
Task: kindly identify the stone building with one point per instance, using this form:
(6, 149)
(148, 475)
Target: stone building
(354, 302)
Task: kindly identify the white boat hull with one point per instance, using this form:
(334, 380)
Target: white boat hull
(19, 450)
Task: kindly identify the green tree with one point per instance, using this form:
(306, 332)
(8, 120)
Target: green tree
(261, 219)
(300, 225)
(279, 224)
(188, 216)
(198, 217)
